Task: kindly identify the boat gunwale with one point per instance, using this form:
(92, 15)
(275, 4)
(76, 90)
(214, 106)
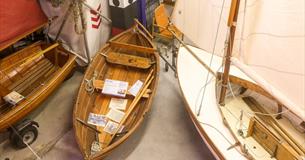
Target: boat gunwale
(204, 136)
(148, 103)
(34, 100)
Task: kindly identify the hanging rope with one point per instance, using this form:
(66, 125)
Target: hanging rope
(218, 131)
(89, 83)
(77, 14)
(56, 3)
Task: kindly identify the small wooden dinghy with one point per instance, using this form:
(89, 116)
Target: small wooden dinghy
(116, 92)
(29, 76)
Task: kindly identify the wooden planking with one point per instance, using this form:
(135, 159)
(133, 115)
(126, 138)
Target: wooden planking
(85, 136)
(12, 71)
(132, 120)
(132, 47)
(18, 57)
(113, 73)
(99, 103)
(39, 93)
(272, 144)
(31, 73)
(37, 81)
(3, 91)
(270, 121)
(102, 68)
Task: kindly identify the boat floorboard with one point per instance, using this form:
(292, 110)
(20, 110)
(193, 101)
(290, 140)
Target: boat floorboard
(35, 77)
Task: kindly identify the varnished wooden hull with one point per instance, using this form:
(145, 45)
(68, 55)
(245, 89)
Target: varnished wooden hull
(98, 103)
(33, 77)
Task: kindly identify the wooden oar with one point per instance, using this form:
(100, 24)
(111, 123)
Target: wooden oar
(144, 29)
(133, 104)
(87, 125)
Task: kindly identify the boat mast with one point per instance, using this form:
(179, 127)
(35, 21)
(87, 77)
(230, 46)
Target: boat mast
(232, 21)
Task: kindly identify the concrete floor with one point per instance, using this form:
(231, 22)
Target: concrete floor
(166, 134)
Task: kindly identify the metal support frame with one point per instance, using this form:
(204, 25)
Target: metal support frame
(172, 62)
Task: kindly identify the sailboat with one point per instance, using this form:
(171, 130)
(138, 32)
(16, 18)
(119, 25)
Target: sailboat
(245, 95)
(116, 92)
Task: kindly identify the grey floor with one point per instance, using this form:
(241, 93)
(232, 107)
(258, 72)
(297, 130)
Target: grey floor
(166, 134)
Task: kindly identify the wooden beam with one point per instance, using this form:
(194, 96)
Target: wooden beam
(269, 120)
(247, 85)
(279, 110)
(144, 29)
(30, 59)
(273, 144)
(233, 7)
(231, 23)
(132, 47)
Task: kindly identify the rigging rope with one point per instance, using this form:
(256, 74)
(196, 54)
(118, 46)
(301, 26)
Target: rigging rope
(243, 29)
(213, 53)
(78, 13)
(204, 86)
(89, 83)
(218, 131)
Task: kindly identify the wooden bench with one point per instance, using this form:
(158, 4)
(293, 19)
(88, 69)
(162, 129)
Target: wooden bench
(99, 84)
(128, 60)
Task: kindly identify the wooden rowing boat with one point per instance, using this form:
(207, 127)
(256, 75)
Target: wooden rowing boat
(33, 72)
(127, 57)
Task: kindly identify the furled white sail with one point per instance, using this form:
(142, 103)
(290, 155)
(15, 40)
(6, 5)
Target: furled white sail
(269, 41)
(97, 30)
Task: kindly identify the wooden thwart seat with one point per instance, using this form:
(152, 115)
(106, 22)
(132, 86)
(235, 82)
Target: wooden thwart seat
(128, 60)
(285, 145)
(132, 47)
(99, 84)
